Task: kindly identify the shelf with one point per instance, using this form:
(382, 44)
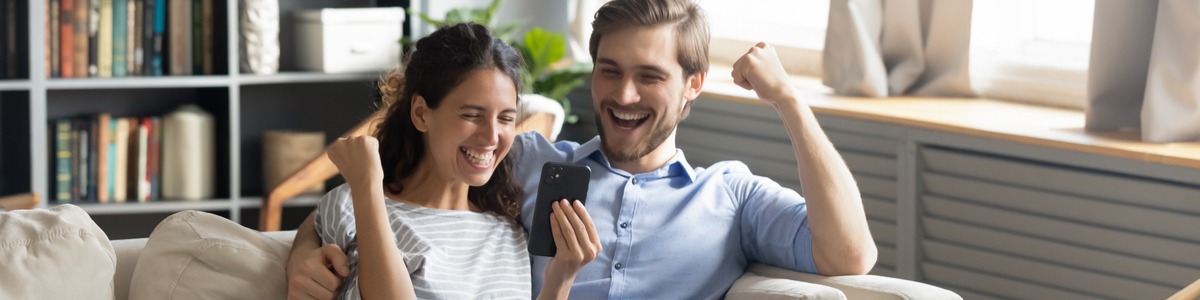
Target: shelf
(309, 200)
(306, 77)
(166, 206)
(14, 85)
(138, 82)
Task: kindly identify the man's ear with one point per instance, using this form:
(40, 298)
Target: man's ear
(420, 113)
(694, 85)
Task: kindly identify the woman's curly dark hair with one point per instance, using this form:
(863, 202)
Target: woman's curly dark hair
(439, 63)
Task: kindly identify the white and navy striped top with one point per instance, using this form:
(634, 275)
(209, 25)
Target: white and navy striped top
(450, 254)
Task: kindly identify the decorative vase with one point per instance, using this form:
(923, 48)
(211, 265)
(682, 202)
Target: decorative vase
(284, 152)
(188, 154)
(259, 36)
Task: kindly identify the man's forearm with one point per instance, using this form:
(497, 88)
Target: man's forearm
(842, 242)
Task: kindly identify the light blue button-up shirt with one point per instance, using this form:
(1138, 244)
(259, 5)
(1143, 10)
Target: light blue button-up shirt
(675, 232)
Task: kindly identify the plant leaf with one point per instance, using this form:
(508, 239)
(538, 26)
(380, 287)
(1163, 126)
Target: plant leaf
(545, 48)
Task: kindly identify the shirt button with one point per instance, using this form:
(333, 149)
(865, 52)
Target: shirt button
(635, 181)
(618, 266)
(625, 225)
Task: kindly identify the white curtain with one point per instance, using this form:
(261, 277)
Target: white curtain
(1145, 69)
(880, 48)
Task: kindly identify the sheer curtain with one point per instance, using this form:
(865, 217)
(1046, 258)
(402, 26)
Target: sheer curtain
(880, 48)
(1145, 69)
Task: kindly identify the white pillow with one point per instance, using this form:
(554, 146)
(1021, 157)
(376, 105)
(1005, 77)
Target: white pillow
(198, 255)
(55, 253)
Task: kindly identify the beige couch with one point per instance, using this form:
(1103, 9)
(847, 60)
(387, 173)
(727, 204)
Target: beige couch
(195, 255)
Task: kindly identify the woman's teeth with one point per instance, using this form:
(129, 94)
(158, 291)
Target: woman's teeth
(479, 158)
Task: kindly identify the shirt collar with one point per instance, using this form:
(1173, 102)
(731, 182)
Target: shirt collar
(678, 164)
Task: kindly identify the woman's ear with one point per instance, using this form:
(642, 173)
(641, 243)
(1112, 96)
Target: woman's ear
(420, 113)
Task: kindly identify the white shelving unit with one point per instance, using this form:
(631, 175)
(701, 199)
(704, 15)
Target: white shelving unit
(244, 105)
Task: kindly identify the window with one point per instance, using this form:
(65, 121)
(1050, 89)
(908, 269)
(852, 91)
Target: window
(795, 28)
(1032, 50)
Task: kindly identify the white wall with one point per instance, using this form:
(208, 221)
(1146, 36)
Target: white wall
(551, 15)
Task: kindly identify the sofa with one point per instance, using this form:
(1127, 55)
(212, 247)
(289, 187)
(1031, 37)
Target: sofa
(59, 253)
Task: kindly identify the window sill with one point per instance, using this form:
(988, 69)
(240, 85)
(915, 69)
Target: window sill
(1043, 126)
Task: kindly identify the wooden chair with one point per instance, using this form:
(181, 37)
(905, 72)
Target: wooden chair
(321, 168)
(19, 201)
(1191, 292)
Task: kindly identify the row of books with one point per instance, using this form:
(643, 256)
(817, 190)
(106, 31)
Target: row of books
(8, 39)
(101, 159)
(117, 38)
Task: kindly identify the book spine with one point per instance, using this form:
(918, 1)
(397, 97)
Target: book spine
(103, 158)
(120, 16)
(143, 185)
(197, 34)
(120, 188)
(181, 41)
(105, 45)
(66, 37)
(154, 157)
(93, 159)
(147, 48)
(62, 154)
(131, 35)
(81, 166)
(160, 28)
(207, 28)
(111, 183)
(73, 147)
(93, 38)
(55, 56)
(81, 38)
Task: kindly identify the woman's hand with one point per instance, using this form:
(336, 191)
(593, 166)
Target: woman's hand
(577, 242)
(357, 158)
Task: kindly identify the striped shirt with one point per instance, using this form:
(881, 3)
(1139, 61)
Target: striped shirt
(450, 254)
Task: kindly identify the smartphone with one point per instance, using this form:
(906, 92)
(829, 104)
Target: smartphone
(558, 181)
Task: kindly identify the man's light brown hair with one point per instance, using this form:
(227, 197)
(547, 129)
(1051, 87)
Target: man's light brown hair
(686, 17)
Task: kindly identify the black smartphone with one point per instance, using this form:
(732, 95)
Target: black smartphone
(558, 181)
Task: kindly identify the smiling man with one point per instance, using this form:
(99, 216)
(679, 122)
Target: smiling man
(670, 230)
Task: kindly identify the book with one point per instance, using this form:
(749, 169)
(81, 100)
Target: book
(81, 163)
(143, 136)
(153, 152)
(93, 38)
(104, 46)
(66, 37)
(10, 27)
(73, 146)
(121, 165)
(137, 37)
(120, 44)
(103, 165)
(79, 60)
(147, 53)
(180, 37)
(62, 159)
(133, 36)
(160, 29)
(48, 38)
(55, 56)
(208, 26)
(111, 183)
(95, 155)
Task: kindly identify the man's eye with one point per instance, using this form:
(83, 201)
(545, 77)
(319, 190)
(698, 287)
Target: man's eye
(470, 116)
(610, 72)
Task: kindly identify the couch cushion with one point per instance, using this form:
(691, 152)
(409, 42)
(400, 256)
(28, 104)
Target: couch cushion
(55, 253)
(198, 255)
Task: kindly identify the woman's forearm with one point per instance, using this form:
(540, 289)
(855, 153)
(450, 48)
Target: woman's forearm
(382, 273)
(556, 287)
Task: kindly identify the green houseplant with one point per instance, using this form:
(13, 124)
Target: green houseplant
(545, 72)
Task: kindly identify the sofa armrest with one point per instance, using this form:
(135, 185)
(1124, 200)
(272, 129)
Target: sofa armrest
(861, 286)
(754, 287)
(128, 251)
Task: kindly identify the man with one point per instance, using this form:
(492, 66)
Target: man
(670, 230)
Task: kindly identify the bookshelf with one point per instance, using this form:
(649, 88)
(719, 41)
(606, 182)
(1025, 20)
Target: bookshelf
(243, 106)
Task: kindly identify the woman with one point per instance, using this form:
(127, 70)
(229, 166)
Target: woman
(429, 208)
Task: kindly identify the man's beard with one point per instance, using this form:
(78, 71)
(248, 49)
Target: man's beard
(627, 153)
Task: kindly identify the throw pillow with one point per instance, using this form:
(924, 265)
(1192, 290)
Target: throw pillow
(54, 253)
(198, 255)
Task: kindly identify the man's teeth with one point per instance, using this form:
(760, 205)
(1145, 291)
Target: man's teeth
(630, 117)
(477, 157)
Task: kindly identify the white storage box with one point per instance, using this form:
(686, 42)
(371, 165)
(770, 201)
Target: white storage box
(348, 40)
